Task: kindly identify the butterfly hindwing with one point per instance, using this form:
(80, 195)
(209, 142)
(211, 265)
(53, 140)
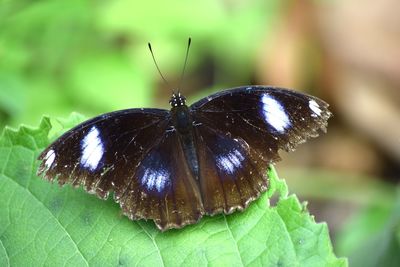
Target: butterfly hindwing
(231, 174)
(163, 188)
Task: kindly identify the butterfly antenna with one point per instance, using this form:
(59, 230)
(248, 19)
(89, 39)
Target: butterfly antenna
(155, 62)
(184, 64)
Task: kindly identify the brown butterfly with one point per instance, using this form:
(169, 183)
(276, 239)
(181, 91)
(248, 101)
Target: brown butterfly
(175, 166)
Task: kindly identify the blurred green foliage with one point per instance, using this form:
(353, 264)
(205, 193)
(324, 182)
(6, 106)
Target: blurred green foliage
(92, 56)
(372, 237)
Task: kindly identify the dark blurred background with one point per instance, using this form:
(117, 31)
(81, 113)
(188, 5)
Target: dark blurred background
(92, 57)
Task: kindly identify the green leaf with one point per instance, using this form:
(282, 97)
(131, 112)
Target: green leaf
(44, 224)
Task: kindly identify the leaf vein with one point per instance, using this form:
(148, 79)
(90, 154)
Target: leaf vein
(234, 240)
(154, 242)
(5, 251)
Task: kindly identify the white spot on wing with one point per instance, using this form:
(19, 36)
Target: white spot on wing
(92, 149)
(315, 107)
(154, 179)
(274, 113)
(230, 162)
(49, 158)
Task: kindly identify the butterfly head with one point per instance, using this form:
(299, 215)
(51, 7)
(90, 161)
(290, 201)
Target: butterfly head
(177, 100)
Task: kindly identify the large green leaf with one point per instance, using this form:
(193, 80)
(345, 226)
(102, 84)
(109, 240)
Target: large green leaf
(43, 224)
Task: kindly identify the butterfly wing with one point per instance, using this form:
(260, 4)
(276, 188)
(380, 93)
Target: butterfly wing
(163, 187)
(133, 154)
(253, 122)
(231, 174)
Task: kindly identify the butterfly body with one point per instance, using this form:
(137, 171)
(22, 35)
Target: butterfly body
(183, 124)
(175, 166)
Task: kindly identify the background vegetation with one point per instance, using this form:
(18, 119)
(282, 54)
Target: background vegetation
(91, 56)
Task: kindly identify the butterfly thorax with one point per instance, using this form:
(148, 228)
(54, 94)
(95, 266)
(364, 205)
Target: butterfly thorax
(182, 119)
(180, 114)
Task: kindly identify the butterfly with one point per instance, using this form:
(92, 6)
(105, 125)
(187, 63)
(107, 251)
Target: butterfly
(174, 166)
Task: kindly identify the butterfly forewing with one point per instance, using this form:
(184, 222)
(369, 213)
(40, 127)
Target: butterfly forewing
(103, 153)
(267, 118)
